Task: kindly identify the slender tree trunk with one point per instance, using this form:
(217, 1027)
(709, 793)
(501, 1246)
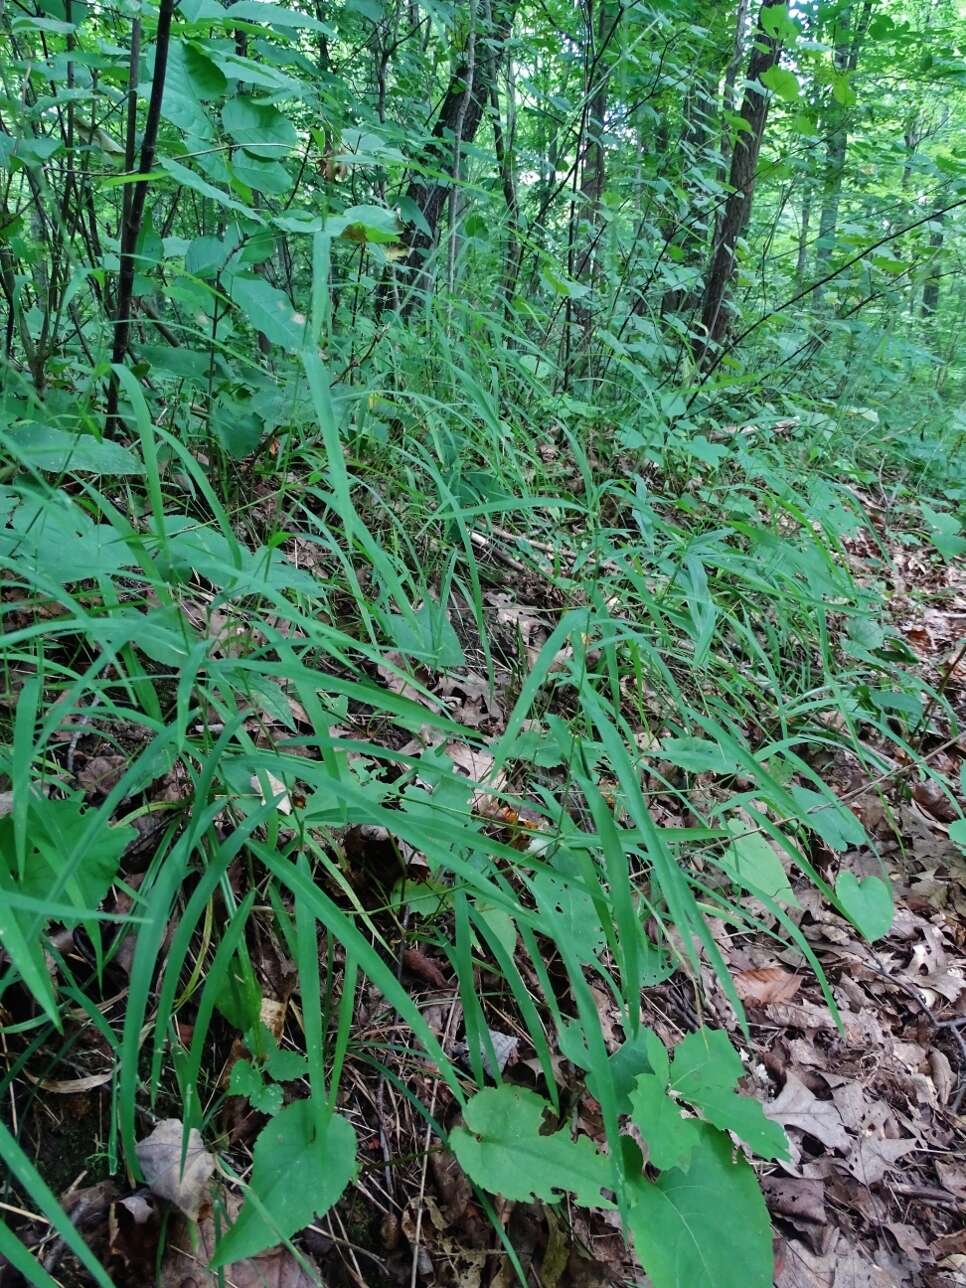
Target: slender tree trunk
(744, 166)
(801, 263)
(930, 290)
(458, 120)
(848, 44)
(133, 208)
(594, 160)
(503, 144)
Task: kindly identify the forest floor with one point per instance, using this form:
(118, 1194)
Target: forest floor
(873, 1105)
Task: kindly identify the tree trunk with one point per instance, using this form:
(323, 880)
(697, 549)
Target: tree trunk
(459, 118)
(593, 162)
(930, 290)
(744, 166)
(133, 207)
(848, 43)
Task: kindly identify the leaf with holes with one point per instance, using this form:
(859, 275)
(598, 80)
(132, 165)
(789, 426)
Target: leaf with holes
(502, 1149)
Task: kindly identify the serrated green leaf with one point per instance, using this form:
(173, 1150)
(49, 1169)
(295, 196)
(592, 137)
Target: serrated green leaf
(285, 1066)
(671, 1136)
(501, 1148)
(704, 1072)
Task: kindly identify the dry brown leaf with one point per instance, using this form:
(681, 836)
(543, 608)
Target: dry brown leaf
(874, 1156)
(798, 1107)
(277, 789)
(160, 1156)
(185, 1262)
(101, 773)
(799, 1199)
(417, 963)
(766, 984)
(841, 1266)
(72, 1086)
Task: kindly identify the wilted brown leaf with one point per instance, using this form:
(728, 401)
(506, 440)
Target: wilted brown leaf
(840, 1266)
(185, 1262)
(101, 773)
(798, 1107)
(160, 1156)
(766, 984)
(799, 1199)
(874, 1156)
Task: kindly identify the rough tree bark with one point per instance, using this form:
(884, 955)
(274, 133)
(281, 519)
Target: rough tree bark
(456, 125)
(741, 180)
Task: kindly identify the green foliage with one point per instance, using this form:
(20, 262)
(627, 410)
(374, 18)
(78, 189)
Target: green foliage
(703, 1221)
(503, 1149)
(302, 1162)
(704, 1225)
(422, 500)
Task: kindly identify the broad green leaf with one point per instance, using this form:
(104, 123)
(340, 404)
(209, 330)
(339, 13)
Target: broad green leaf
(502, 1149)
(834, 822)
(782, 82)
(364, 224)
(428, 636)
(285, 1066)
(575, 910)
(842, 90)
(671, 1136)
(273, 14)
(704, 1072)
(957, 830)
(867, 902)
(62, 865)
(706, 1225)
(776, 21)
(301, 1165)
(753, 862)
(260, 129)
(56, 450)
(260, 175)
(644, 1053)
(268, 309)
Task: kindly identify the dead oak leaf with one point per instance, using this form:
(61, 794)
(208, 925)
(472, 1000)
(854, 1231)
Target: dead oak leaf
(800, 1108)
(873, 1156)
(181, 1176)
(766, 984)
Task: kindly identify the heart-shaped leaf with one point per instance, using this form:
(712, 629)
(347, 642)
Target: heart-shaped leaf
(867, 902)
